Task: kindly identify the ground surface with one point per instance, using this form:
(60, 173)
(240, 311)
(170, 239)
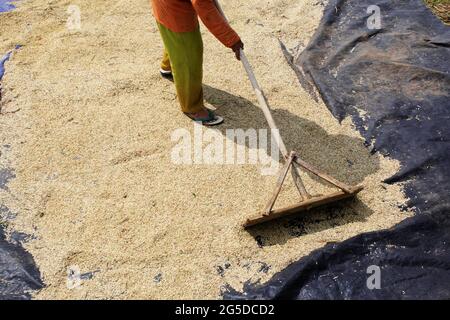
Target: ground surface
(86, 125)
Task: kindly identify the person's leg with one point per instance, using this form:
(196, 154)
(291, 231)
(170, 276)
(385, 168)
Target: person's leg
(185, 52)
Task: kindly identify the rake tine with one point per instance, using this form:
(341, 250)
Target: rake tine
(280, 181)
(295, 171)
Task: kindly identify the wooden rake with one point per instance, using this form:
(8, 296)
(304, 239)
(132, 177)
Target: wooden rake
(292, 163)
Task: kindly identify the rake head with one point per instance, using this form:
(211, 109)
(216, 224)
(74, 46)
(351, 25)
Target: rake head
(308, 202)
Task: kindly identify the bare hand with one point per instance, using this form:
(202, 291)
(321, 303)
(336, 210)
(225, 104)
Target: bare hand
(237, 48)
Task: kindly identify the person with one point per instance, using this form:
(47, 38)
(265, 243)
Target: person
(182, 60)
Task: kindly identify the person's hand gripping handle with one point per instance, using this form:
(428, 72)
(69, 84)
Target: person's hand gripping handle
(237, 48)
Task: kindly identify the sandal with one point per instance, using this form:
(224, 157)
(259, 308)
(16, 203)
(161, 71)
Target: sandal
(166, 74)
(211, 120)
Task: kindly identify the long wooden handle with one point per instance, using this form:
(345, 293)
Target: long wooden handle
(263, 103)
(259, 94)
(295, 170)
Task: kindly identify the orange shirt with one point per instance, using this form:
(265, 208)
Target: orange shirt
(181, 16)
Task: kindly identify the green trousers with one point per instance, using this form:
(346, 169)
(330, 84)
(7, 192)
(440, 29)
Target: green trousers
(183, 55)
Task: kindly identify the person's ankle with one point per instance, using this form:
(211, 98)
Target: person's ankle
(200, 113)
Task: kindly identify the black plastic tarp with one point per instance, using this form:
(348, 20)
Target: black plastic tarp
(18, 272)
(19, 275)
(386, 64)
